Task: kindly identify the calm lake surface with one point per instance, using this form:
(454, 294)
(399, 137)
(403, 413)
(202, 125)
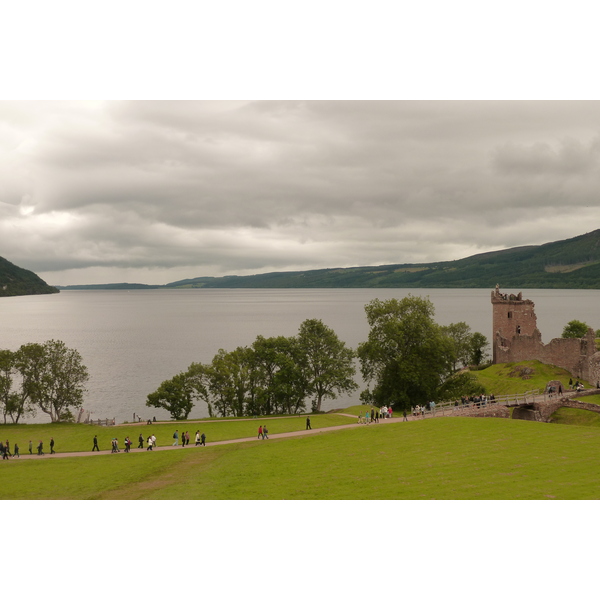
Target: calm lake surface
(131, 341)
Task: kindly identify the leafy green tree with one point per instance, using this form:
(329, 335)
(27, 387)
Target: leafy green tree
(175, 395)
(575, 329)
(53, 378)
(460, 384)
(478, 345)
(327, 362)
(407, 355)
(231, 380)
(280, 380)
(7, 371)
(198, 378)
(460, 336)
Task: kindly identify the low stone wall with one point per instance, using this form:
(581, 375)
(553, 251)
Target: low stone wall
(491, 410)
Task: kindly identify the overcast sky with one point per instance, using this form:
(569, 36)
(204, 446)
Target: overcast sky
(156, 191)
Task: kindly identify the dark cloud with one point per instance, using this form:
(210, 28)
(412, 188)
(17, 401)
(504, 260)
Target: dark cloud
(159, 188)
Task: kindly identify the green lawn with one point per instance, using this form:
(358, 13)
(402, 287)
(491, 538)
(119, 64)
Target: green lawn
(71, 437)
(444, 458)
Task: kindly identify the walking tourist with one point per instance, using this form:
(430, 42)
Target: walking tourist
(176, 438)
(95, 444)
(197, 440)
(40, 448)
(308, 423)
(52, 446)
(265, 432)
(260, 432)
(203, 438)
(16, 452)
(141, 441)
(149, 443)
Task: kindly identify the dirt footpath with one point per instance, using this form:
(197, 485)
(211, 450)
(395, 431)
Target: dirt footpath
(273, 436)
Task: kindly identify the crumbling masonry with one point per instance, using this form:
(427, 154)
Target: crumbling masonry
(517, 338)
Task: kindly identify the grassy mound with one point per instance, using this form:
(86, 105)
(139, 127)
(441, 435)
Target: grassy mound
(521, 377)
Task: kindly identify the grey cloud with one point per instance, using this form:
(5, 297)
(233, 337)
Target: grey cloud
(570, 157)
(227, 187)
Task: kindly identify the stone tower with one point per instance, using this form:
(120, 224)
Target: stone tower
(513, 318)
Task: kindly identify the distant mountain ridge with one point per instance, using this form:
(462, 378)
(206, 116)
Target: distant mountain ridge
(567, 264)
(16, 281)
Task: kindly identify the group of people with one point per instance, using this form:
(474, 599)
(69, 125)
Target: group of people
(115, 444)
(577, 386)
(469, 401)
(6, 453)
(200, 439)
(418, 410)
(373, 416)
(263, 432)
(151, 441)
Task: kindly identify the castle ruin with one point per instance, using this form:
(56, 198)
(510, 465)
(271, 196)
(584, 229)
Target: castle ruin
(517, 338)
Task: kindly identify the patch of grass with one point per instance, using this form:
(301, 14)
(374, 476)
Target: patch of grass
(575, 416)
(85, 478)
(497, 379)
(432, 459)
(358, 409)
(446, 458)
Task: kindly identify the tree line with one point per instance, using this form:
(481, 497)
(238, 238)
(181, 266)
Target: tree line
(275, 375)
(408, 359)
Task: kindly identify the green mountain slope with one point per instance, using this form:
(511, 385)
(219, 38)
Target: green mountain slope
(573, 263)
(566, 264)
(15, 281)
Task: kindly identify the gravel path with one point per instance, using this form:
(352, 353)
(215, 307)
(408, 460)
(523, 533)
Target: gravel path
(273, 436)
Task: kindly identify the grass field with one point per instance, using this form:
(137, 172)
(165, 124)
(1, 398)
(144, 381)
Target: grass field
(443, 458)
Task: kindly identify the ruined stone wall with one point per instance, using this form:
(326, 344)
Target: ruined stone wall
(491, 410)
(517, 338)
(594, 377)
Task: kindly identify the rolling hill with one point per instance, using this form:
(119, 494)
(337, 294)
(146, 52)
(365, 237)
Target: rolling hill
(567, 264)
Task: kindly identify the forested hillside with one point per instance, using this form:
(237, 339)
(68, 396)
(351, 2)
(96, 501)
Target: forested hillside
(566, 264)
(15, 281)
(573, 263)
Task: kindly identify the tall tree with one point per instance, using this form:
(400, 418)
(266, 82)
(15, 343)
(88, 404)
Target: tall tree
(174, 395)
(281, 383)
(460, 335)
(327, 362)
(54, 378)
(407, 356)
(478, 346)
(7, 371)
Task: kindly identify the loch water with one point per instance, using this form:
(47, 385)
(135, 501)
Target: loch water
(132, 340)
